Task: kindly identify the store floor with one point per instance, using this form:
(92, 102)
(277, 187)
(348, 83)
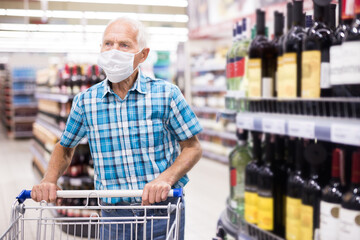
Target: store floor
(205, 193)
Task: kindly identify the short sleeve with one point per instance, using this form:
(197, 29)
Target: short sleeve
(182, 121)
(75, 128)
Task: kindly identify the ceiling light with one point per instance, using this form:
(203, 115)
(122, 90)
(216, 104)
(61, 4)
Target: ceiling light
(167, 3)
(151, 17)
(86, 28)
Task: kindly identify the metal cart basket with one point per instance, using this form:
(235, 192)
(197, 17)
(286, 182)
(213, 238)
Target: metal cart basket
(45, 223)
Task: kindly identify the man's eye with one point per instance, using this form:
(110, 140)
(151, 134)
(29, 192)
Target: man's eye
(107, 44)
(124, 45)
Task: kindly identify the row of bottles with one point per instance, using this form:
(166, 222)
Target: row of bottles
(72, 79)
(296, 188)
(313, 59)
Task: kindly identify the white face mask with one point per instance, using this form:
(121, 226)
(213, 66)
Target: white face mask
(117, 65)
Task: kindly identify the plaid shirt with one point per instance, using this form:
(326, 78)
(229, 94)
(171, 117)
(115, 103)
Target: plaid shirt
(133, 140)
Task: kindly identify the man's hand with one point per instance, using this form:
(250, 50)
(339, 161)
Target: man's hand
(44, 191)
(155, 191)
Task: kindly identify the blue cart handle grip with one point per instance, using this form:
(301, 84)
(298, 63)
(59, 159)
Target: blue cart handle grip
(25, 194)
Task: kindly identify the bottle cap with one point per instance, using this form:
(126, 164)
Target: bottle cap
(335, 168)
(239, 28)
(298, 13)
(289, 13)
(355, 171)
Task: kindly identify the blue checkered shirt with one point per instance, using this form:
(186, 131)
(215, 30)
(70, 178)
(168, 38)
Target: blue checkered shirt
(133, 140)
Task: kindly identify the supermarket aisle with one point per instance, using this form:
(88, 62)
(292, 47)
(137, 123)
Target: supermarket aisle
(205, 194)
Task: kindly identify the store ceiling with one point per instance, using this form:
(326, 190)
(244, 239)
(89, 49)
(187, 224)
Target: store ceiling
(30, 25)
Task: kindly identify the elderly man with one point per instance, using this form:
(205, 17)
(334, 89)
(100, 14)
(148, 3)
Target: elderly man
(141, 131)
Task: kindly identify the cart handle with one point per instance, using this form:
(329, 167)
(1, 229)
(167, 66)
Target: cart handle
(26, 194)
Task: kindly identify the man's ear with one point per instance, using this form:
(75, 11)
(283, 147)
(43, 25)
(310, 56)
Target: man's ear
(144, 54)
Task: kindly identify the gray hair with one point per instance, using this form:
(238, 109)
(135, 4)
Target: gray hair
(136, 25)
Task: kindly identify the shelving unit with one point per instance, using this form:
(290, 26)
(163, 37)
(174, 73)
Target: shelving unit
(18, 105)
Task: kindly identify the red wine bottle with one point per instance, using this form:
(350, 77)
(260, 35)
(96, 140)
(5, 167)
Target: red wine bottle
(339, 89)
(291, 85)
(262, 62)
(350, 75)
(315, 80)
(294, 187)
(349, 228)
(331, 199)
(278, 43)
(266, 188)
(251, 178)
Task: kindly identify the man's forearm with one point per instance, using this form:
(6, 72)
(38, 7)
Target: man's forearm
(59, 162)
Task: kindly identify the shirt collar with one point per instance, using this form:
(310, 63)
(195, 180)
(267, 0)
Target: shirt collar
(139, 85)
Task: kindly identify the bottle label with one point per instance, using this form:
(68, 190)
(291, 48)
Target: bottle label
(349, 227)
(310, 82)
(325, 75)
(266, 213)
(347, 11)
(351, 65)
(336, 63)
(254, 74)
(233, 180)
(251, 207)
(231, 67)
(239, 66)
(329, 220)
(357, 7)
(293, 206)
(288, 87)
(279, 73)
(306, 222)
(267, 87)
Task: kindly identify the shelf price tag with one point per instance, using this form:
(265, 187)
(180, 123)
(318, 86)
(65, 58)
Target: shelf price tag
(345, 133)
(272, 125)
(304, 129)
(245, 122)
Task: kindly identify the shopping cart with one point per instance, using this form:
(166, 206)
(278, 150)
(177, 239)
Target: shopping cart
(44, 220)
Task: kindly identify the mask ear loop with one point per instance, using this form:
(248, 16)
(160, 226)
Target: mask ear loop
(134, 57)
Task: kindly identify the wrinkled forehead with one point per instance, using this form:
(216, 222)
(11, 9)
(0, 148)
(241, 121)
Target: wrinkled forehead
(120, 30)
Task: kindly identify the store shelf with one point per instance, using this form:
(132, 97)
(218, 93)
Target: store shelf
(206, 109)
(337, 130)
(41, 162)
(23, 92)
(223, 135)
(208, 68)
(61, 98)
(215, 156)
(229, 115)
(24, 119)
(55, 129)
(208, 89)
(24, 105)
(20, 134)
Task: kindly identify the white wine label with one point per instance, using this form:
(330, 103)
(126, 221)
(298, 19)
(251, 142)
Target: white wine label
(336, 64)
(325, 75)
(329, 220)
(271, 125)
(349, 227)
(303, 129)
(345, 133)
(351, 65)
(267, 87)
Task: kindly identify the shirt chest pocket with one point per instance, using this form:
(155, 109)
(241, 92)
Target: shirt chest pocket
(148, 133)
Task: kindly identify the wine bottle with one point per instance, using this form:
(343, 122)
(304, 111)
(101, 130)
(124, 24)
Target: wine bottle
(332, 17)
(278, 43)
(293, 195)
(331, 199)
(266, 187)
(316, 155)
(262, 62)
(251, 177)
(239, 158)
(291, 85)
(315, 81)
(65, 79)
(349, 228)
(280, 169)
(336, 53)
(230, 60)
(351, 50)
